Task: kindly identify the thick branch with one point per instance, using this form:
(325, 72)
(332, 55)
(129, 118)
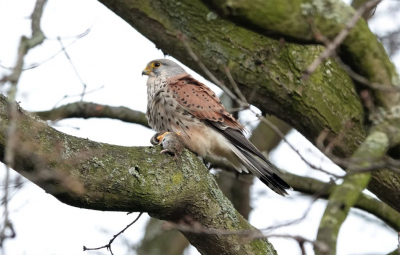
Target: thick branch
(347, 194)
(270, 67)
(297, 18)
(98, 176)
(92, 110)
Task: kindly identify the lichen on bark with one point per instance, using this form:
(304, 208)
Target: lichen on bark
(100, 176)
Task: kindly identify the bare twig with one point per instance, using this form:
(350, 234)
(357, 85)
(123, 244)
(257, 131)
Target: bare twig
(34, 65)
(398, 240)
(209, 74)
(352, 163)
(280, 134)
(73, 66)
(78, 36)
(25, 45)
(235, 86)
(361, 79)
(108, 246)
(317, 195)
(331, 47)
(76, 95)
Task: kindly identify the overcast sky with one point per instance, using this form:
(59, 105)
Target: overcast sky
(112, 56)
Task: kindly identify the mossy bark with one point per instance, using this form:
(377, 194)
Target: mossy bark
(295, 19)
(99, 176)
(348, 193)
(271, 68)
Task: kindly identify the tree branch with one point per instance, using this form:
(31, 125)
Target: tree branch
(98, 176)
(347, 194)
(92, 110)
(295, 21)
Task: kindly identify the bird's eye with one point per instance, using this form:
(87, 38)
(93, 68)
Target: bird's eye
(157, 64)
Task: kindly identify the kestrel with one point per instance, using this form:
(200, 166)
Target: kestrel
(179, 103)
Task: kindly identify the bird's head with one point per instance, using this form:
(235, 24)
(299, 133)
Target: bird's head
(163, 67)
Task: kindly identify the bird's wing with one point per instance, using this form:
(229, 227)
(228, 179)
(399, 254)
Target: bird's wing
(201, 102)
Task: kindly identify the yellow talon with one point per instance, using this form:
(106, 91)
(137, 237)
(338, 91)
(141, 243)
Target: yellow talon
(161, 137)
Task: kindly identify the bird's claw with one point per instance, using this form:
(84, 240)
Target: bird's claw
(166, 150)
(154, 140)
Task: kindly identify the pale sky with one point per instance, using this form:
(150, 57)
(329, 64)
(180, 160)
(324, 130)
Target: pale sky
(113, 55)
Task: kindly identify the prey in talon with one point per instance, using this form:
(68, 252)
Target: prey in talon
(171, 143)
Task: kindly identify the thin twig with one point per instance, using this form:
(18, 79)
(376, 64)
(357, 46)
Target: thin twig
(78, 36)
(235, 86)
(207, 72)
(76, 95)
(108, 246)
(352, 164)
(317, 195)
(35, 65)
(331, 47)
(361, 79)
(73, 66)
(398, 240)
(280, 134)
(25, 45)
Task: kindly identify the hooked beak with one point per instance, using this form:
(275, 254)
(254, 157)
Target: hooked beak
(146, 71)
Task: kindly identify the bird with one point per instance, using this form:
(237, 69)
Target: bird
(177, 102)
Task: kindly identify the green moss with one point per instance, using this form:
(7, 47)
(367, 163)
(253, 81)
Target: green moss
(347, 194)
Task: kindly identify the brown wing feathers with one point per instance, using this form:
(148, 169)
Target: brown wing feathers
(201, 101)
